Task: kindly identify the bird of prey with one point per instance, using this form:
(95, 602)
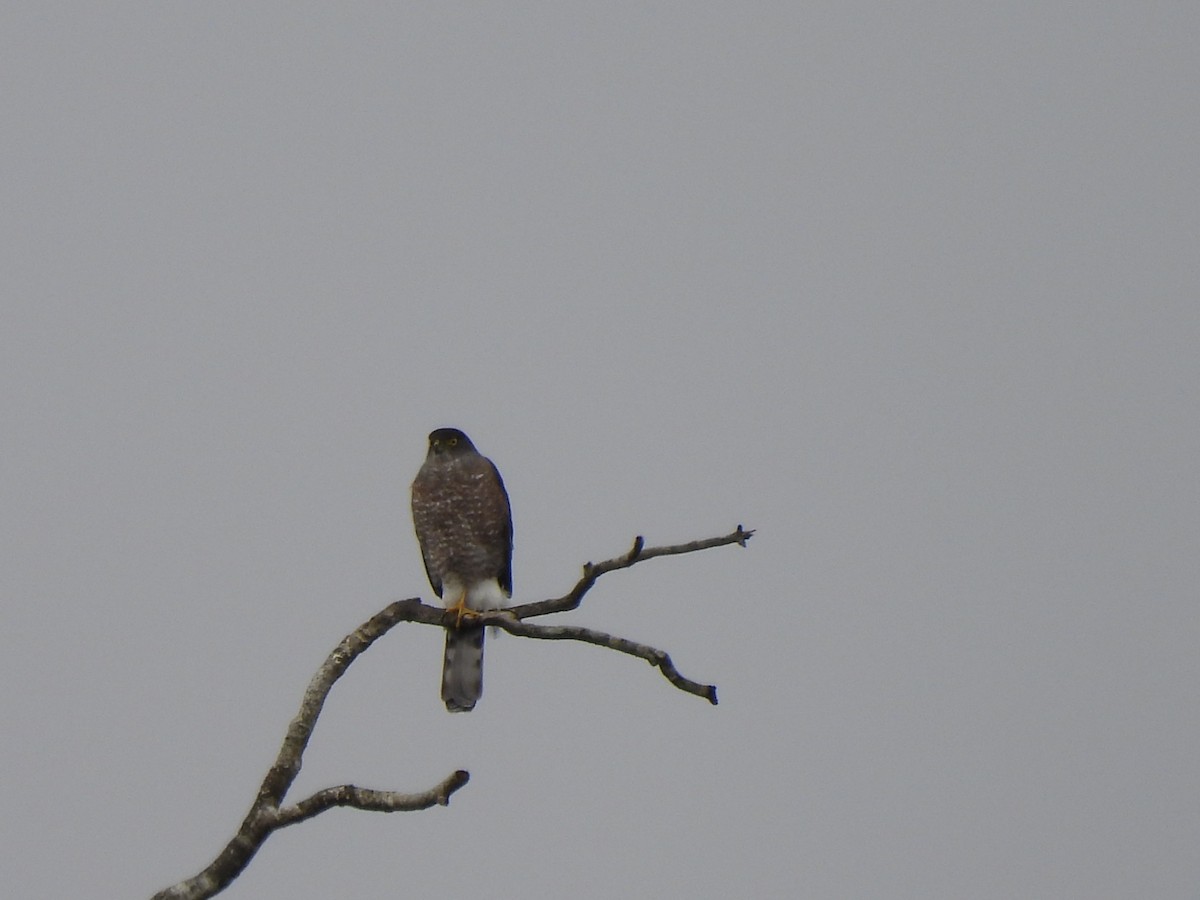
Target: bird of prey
(464, 526)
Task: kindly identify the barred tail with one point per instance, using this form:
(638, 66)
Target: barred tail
(462, 668)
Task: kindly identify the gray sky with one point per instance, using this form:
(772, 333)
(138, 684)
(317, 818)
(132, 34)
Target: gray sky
(911, 289)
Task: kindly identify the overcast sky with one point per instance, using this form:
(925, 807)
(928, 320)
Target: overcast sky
(912, 289)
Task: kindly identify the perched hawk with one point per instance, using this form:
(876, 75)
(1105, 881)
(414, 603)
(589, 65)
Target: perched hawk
(464, 526)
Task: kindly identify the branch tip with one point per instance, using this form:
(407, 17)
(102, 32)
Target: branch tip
(638, 543)
(453, 783)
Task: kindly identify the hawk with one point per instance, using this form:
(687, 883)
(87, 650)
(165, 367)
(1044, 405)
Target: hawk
(464, 526)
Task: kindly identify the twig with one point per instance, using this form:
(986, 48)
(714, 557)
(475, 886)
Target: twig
(372, 800)
(638, 553)
(658, 658)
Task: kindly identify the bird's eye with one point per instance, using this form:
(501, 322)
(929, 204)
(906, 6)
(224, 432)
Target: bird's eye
(452, 441)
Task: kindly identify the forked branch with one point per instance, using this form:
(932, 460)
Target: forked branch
(638, 553)
(268, 812)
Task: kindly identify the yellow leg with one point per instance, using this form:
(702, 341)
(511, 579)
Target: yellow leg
(462, 610)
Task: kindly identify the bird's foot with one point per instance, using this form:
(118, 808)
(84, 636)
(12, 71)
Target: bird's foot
(461, 611)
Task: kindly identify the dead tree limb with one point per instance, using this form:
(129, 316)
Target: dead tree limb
(657, 658)
(267, 813)
(638, 553)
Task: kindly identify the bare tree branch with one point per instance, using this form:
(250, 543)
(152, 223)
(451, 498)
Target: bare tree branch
(638, 553)
(657, 658)
(267, 814)
(371, 800)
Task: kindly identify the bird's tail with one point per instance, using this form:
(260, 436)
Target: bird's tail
(462, 668)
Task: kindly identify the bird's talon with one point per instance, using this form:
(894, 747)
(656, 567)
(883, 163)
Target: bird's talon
(462, 611)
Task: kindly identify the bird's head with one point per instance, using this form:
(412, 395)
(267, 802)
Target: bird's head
(449, 442)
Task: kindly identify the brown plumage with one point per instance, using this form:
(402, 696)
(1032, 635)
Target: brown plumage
(464, 526)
